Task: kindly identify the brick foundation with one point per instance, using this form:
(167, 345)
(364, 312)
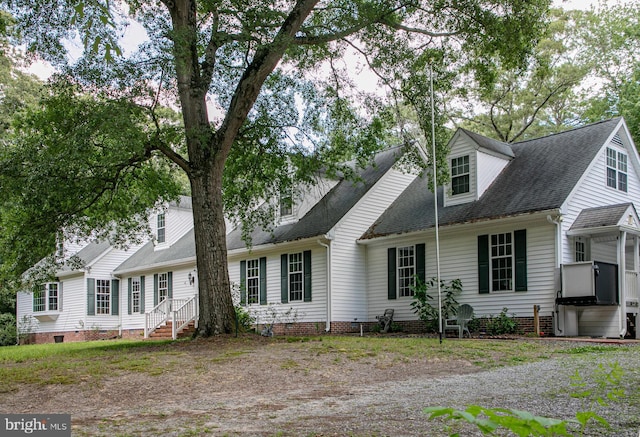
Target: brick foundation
(525, 326)
(86, 335)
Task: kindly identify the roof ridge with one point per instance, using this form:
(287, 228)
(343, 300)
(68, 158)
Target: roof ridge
(573, 130)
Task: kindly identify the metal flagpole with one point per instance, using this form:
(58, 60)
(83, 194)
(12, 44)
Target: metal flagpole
(435, 203)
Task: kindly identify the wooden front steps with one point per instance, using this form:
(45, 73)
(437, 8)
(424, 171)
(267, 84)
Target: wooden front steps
(164, 332)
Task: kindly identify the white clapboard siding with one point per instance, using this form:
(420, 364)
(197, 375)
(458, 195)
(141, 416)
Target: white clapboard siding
(599, 321)
(348, 259)
(458, 260)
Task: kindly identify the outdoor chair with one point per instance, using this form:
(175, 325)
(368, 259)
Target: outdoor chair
(460, 322)
(385, 320)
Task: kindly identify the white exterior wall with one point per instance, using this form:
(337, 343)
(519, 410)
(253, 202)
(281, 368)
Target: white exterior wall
(463, 146)
(178, 221)
(592, 192)
(348, 259)
(314, 311)
(180, 286)
(458, 260)
(489, 167)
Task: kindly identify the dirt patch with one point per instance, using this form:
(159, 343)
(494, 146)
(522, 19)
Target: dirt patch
(247, 386)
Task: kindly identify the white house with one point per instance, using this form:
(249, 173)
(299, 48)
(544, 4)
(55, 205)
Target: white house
(549, 223)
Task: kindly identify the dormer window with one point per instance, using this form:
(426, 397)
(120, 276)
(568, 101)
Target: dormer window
(161, 229)
(616, 169)
(460, 175)
(286, 203)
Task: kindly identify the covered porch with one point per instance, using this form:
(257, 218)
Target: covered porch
(599, 295)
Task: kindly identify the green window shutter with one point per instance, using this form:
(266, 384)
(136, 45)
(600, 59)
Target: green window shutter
(170, 284)
(129, 295)
(142, 294)
(115, 297)
(263, 280)
(306, 266)
(91, 297)
(60, 295)
(392, 283)
(155, 289)
(520, 251)
(35, 293)
(284, 278)
(420, 262)
(483, 264)
(243, 282)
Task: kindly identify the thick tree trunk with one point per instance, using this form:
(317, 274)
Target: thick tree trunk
(217, 315)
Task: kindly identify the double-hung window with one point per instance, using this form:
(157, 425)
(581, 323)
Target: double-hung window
(163, 286)
(406, 270)
(296, 283)
(161, 228)
(286, 203)
(616, 169)
(460, 175)
(502, 262)
(103, 296)
(135, 295)
(46, 297)
(253, 280)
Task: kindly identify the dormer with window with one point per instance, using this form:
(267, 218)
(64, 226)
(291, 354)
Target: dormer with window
(474, 162)
(171, 223)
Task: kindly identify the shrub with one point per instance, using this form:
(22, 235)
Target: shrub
(502, 324)
(7, 329)
(426, 307)
(244, 319)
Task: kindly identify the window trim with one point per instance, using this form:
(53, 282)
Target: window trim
(103, 306)
(510, 258)
(253, 281)
(46, 298)
(406, 282)
(465, 174)
(520, 268)
(136, 282)
(161, 228)
(617, 169)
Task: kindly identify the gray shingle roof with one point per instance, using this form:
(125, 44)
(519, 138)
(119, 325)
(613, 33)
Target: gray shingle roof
(327, 212)
(146, 257)
(88, 254)
(490, 144)
(609, 215)
(539, 178)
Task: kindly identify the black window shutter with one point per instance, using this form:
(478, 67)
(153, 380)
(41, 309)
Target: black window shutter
(520, 250)
(243, 282)
(155, 289)
(142, 294)
(306, 257)
(170, 285)
(420, 262)
(91, 297)
(115, 297)
(483, 264)
(391, 276)
(130, 295)
(263, 280)
(284, 278)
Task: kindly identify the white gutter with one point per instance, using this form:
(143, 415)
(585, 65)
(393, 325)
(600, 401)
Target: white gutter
(328, 247)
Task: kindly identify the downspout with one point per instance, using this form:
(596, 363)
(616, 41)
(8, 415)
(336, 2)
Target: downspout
(558, 261)
(121, 307)
(622, 280)
(328, 247)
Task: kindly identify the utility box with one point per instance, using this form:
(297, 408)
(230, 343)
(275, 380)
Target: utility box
(589, 283)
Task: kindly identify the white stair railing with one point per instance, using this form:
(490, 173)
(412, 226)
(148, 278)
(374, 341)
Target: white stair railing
(156, 317)
(184, 312)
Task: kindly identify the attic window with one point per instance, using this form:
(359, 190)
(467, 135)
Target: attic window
(161, 228)
(616, 169)
(286, 203)
(460, 175)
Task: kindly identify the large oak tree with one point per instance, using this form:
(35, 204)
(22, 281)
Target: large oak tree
(263, 89)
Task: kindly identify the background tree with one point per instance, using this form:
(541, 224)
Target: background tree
(256, 109)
